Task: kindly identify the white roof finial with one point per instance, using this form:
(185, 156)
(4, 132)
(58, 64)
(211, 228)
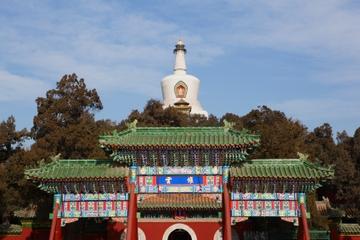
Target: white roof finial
(180, 64)
(180, 42)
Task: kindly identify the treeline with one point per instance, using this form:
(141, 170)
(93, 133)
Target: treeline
(65, 124)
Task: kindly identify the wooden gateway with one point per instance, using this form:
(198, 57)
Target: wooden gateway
(167, 183)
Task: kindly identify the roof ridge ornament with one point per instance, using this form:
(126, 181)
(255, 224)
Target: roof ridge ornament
(56, 157)
(114, 132)
(41, 163)
(303, 156)
(228, 125)
(132, 125)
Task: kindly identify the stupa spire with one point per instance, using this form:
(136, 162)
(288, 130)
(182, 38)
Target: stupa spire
(180, 64)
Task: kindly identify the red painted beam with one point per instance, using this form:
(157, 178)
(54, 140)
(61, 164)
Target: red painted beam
(132, 233)
(54, 221)
(226, 213)
(305, 228)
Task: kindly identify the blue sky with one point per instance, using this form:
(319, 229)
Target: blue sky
(300, 57)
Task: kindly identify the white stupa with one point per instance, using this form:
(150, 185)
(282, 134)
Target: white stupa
(181, 89)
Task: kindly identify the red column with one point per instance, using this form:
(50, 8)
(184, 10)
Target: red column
(132, 233)
(110, 230)
(304, 224)
(300, 230)
(226, 213)
(54, 221)
(114, 230)
(58, 231)
(136, 234)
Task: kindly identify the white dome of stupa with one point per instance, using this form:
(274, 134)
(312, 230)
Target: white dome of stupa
(180, 86)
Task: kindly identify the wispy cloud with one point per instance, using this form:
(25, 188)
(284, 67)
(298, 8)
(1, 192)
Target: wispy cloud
(315, 112)
(104, 42)
(15, 87)
(125, 47)
(325, 27)
(322, 109)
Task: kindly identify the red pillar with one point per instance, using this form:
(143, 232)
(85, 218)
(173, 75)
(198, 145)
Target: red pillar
(132, 233)
(114, 230)
(300, 230)
(226, 213)
(136, 234)
(54, 221)
(305, 235)
(58, 231)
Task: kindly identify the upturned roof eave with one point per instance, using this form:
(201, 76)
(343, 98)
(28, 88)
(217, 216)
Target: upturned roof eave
(293, 169)
(178, 146)
(179, 137)
(76, 170)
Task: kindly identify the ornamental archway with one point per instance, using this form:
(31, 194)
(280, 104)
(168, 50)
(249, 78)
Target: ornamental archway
(179, 230)
(179, 234)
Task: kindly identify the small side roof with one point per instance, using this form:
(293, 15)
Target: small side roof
(188, 201)
(76, 169)
(349, 229)
(281, 169)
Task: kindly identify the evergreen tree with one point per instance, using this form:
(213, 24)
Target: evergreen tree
(11, 142)
(65, 121)
(10, 139)
(155, 115)
(356, 149)
(65, 124)
(281, 137)
(321, 145)
(355, 186)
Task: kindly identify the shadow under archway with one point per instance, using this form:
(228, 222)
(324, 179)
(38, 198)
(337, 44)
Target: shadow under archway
(179, 234)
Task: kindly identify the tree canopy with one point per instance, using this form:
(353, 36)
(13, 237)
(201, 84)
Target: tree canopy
(65, 121)
(10, 139)
(65, 124)
(11, 142)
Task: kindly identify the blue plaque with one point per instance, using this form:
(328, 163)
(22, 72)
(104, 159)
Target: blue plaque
(179, 180)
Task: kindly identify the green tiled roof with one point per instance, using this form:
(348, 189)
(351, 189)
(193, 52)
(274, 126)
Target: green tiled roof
(349, 228)
(178, 137)
(28, 212)
(74, 169)
(281, 168)
(11, 229)
(178, 201)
